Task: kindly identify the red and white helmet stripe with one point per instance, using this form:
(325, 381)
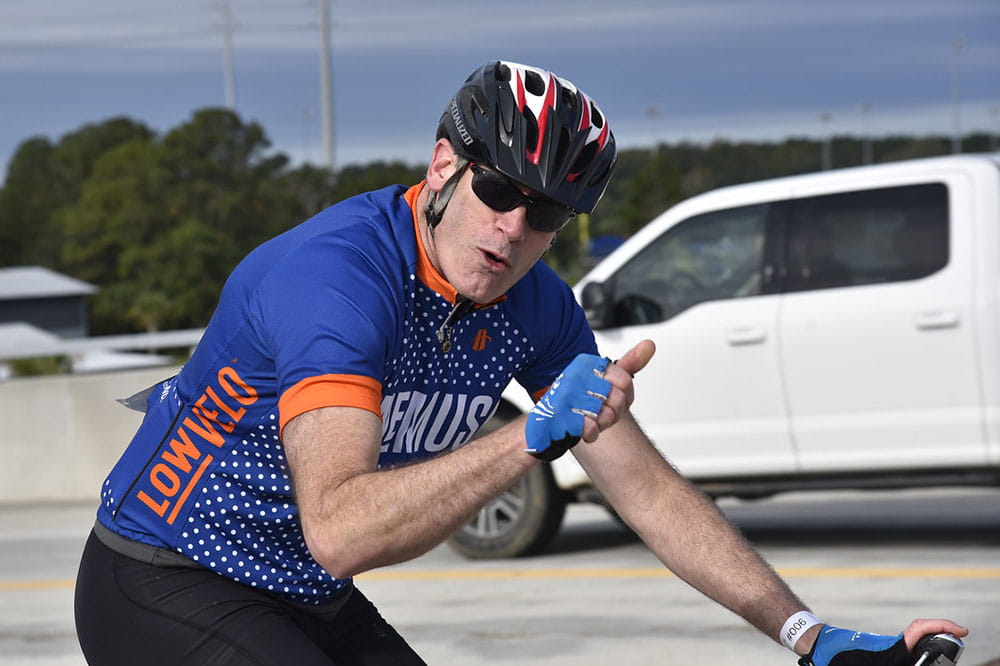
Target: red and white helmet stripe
(540, 103)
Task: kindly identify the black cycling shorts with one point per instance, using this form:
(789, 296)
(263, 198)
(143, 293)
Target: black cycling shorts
(129, 612)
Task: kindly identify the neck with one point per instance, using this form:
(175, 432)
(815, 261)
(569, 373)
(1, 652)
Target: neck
(426, 233)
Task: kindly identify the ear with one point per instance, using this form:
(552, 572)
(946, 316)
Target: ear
(442, 165)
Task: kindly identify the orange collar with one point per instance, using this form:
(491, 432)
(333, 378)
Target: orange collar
(426, 271)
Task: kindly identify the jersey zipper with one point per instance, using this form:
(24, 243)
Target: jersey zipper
(462, 307)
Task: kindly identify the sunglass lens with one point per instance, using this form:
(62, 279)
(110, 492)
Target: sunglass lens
(543, 216)
(494, 190)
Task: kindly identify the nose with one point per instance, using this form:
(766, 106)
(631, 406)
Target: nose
(513, 223)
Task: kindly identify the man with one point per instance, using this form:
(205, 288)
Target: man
(318, 429)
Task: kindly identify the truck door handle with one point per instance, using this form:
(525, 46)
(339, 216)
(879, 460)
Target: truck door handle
(936, 319)
(745, 335)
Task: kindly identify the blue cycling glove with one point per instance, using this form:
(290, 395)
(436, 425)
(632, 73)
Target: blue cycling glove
(843, 647)
(556, 422)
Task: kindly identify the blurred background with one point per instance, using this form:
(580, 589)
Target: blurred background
(146, 147)
(182, 133)
(661, 70)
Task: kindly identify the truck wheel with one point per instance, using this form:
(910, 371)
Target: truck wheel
(521, 521)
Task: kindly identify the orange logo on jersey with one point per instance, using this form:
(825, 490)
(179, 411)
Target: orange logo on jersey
(482, 339)
(174, 478)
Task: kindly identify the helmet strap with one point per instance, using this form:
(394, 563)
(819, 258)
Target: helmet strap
(438, 201)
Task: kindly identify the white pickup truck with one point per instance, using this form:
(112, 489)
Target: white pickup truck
(824, 331)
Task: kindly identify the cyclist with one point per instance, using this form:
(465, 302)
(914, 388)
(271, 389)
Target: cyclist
(319, 429)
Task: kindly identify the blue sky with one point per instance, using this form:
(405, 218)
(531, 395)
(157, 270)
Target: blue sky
(661, 70)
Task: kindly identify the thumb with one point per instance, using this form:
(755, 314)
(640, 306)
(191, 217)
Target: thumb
(635, 359)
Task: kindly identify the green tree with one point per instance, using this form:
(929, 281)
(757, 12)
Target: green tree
(223, 176)
(43, 178)
(77, 152)
(120, 211)
(174, 293)
(357, 179)
(311, 188)
(656, 186)
(120, 207)
(160, 224)
(25, 202)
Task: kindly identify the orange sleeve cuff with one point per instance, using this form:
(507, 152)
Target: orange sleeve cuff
(537, 395)
(330, 391)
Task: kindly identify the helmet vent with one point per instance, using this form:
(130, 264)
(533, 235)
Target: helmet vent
(539, 130)
(563, 147)
(605, 174)
(595, 116)
(569, 99)
(584, 158)
(530, 132)
(502, 73)
(480, 103)
(507, 108)
(534, 83)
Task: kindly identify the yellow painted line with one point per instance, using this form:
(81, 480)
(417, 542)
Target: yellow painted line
(890, 572)
(660, 572)
(967, 573)
(495, 574)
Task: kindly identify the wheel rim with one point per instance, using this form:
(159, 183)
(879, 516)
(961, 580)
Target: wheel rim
(500, 515)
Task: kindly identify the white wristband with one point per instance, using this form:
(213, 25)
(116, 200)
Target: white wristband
(795, 626)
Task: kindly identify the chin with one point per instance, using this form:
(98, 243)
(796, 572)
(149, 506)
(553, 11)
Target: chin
(481, 296)
(483, 287)
(481, 299)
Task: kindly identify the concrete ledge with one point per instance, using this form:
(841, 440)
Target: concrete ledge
(62, 434)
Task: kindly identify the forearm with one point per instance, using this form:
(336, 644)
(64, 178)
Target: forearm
(376, 518)
(698, 544)
(685, 529)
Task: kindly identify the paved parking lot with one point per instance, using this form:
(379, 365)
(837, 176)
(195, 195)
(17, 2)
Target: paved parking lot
(869, 561)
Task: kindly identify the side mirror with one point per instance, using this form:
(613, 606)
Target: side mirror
(596, 301)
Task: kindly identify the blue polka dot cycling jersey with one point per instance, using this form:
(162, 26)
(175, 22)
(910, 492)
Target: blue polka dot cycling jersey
(343, 310)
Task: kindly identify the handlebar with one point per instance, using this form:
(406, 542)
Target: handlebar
(938, 650)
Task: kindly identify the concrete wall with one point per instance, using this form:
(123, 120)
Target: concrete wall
(60, 435)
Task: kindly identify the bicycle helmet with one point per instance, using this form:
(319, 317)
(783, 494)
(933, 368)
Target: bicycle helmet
(537, 129)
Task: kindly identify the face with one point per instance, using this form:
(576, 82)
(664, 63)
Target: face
(480, 251)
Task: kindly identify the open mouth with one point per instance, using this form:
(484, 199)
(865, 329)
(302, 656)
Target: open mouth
(494, 260)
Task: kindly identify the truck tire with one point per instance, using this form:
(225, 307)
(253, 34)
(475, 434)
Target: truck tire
(521, 521)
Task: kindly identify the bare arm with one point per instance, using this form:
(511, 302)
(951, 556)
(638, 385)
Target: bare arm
(683, 526)
(356, 518)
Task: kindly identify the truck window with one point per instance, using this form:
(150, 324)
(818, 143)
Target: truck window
(711, 256)
(867, 237)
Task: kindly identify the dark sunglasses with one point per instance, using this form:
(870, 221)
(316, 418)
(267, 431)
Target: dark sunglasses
(500, 194)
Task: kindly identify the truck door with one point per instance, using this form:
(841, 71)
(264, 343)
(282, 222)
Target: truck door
(711, 398)
(877, 330)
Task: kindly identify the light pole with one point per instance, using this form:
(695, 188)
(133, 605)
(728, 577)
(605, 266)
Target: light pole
(867, 150)
(957, 46)
(826, 153)
(653, 113)
(326, 82)
(308, 117)
(227, 54)
(994, 129)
